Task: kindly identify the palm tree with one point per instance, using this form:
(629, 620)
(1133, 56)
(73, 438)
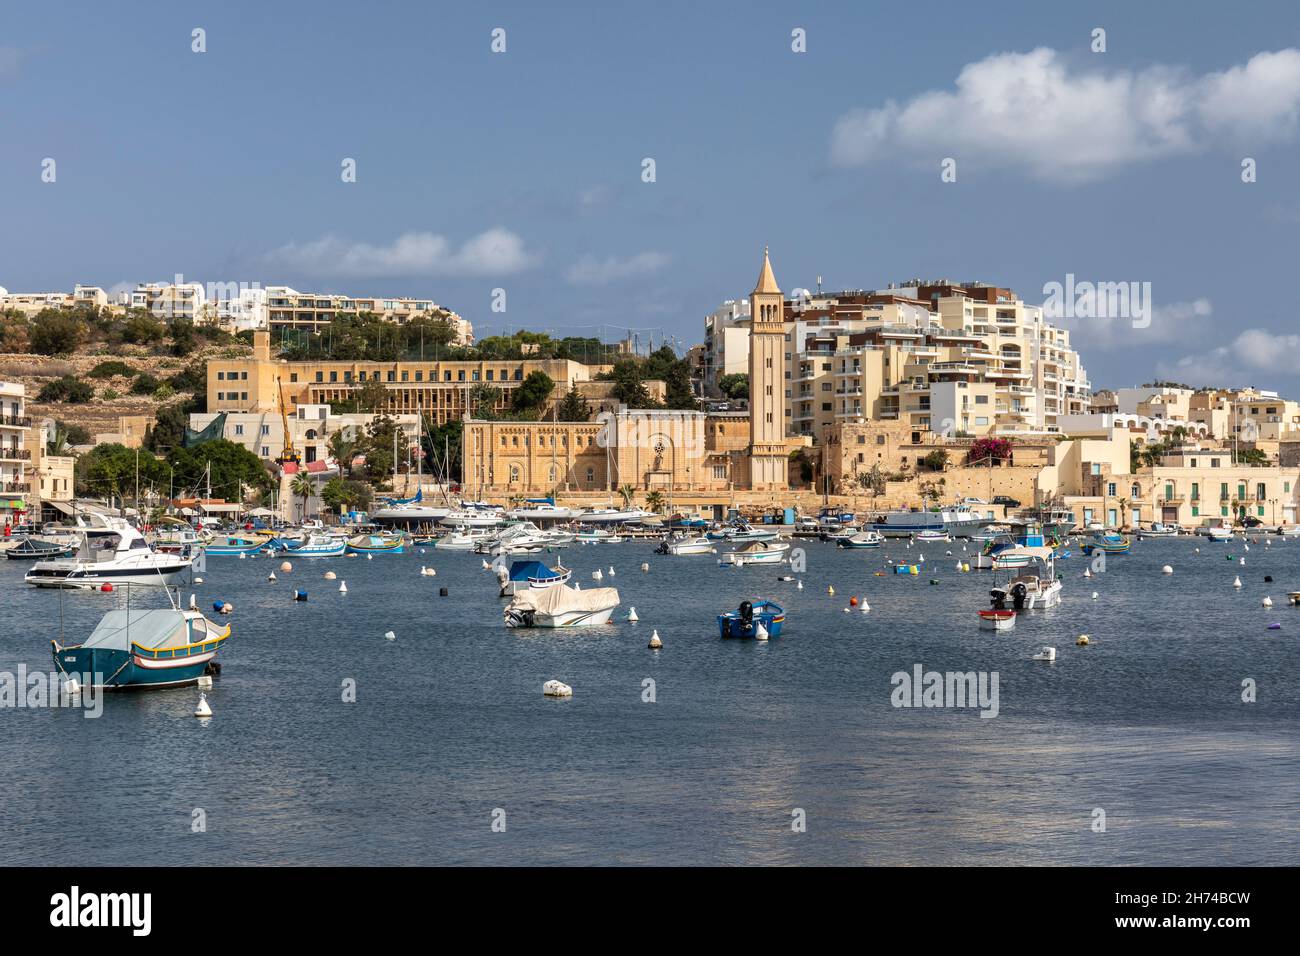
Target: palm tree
(1123, 504)
(303, 487)
(342, 449)
(628, 492)
(654, 500)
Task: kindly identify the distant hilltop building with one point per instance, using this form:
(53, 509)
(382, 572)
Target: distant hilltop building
(240, 307)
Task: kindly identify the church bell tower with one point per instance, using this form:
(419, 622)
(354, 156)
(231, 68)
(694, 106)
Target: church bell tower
(768, 463)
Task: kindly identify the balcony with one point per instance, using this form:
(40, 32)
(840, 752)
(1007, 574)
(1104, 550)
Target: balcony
(14, 488)
(15, 454)
(15, 421)
(848, 391)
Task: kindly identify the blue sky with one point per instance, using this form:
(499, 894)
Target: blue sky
(522, 170)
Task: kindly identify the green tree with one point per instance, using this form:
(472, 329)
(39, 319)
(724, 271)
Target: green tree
(55, 332)
(654, 500)
(342, 447)
(141, 328)
(303, 487)
(573, 407)
(68, 389)
(735, 387)
(675, 373)
(182, 334)
(629, 385)
(341, 495)
(483, 400)
(234, 468)
(532, 393)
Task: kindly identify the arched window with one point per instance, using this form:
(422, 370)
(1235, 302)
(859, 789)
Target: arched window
(1137, 490)
(514, 473)
(554, 473)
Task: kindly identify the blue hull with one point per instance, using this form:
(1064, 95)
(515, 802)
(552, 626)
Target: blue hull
(119, 670)
(771, 616)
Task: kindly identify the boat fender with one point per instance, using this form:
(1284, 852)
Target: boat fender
(107, 588)
(286, 567)
(300, 595)
(1268, 579)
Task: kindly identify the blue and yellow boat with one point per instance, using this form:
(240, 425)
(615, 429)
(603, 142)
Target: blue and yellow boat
(745, 620)
(232, 545)
(143, 648)
(1107, 542)
(376, 544)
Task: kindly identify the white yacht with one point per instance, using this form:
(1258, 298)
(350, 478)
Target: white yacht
(613, 515)
(959, 521)
(110, 551)
(473, 518)
(541, 509)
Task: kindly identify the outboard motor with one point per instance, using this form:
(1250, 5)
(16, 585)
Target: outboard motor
(1018, 592)
(999, 602)
(746, 612)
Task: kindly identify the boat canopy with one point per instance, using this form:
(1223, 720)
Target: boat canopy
(562, 598)
(419, 496)
(1019, 556)
(523, 570)
(118, 630)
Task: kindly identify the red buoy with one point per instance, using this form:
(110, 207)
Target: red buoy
(853, 602)
(107, 587)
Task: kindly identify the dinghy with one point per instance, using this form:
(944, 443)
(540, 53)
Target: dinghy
(745, 621)
(995, 620)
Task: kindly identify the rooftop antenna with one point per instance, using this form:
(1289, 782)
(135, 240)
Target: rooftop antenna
(819, 285)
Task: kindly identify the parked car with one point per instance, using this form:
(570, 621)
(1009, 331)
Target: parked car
(973, 501)
(1004, 500)
(1250, 521)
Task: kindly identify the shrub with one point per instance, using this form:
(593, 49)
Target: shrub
(144, 384)
(109, 394)
(66, 389)
(164, 392)
(110, 369)
(55, 333)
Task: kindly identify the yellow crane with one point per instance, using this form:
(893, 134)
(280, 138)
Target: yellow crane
(289, 454)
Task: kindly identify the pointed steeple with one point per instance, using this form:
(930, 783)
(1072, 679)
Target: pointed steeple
(767, 281)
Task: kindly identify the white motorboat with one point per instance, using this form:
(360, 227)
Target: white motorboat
(741, 532)
(561, 606)
(932, 536)
(473, 518)
(680, 545)
(463, 539)
(957, 520)
(541, 509)
(756, 552)
(613, 515)
(530, 574)
(1220, 533)
(1159, 529)
(1034, 585)
(863, 539)
(319, 546)
(112, 553)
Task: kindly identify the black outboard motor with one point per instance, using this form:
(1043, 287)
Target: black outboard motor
(999, 602)
(746, 616)
(1018, 592)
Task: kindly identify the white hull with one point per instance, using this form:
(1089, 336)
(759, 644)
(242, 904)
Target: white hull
(417, 514)
(574, 618)
(694, 546)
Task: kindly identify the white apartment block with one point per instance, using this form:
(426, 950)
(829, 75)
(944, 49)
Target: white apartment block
(957, 359)
(15, 456)
(290, 309)
(726, 344)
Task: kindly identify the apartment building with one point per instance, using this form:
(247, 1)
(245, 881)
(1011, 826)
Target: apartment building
(725, 350)
(30, 303)
(442, 390)
(289, 309)
(936, 356)
(15, 455)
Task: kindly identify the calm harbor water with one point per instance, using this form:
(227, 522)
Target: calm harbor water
(1147, 723)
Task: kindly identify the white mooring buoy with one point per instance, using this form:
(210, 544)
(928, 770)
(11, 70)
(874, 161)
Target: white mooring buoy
(390, 636)
(203, 710)
(631, 616)
(343, 587)
(554, 688)
(655, 644)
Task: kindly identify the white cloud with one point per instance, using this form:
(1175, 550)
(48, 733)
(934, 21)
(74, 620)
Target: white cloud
(1033, 112)
(1173, 322)
(1250, 354)
(590, 270)
(494, 252)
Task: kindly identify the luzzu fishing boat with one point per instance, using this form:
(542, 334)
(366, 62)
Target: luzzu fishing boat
(166, 647)
(1107, 542)
(753, 619)
(319, 546)
(233, 545)
(376, 544)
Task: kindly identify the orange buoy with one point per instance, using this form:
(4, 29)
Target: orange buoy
(853, 602)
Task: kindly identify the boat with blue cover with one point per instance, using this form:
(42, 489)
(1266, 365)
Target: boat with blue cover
(129, 649)
(745, 621)
(319, 546)
(530, 574)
